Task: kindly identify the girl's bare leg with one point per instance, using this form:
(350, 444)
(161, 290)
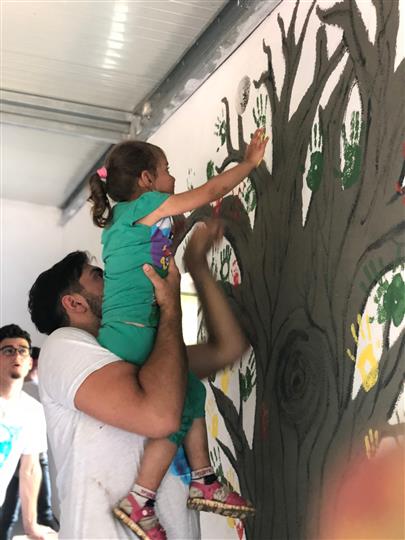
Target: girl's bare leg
(158, 455)
(136, 509)
(196, 445)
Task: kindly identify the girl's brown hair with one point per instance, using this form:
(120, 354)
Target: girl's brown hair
(124, 165)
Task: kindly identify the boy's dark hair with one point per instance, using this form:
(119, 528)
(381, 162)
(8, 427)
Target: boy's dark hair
(124, 165)
(44, 302)
(14, 331)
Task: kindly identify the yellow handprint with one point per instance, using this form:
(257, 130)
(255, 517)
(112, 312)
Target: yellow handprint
(224, 380)
(371, 442)
(367, 363)
(212, 418)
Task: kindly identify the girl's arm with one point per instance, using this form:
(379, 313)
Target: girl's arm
(216, 187)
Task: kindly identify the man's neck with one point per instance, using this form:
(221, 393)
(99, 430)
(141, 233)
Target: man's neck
(11, 388)
(89, 324)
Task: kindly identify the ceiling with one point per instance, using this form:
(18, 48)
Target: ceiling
(73, 73)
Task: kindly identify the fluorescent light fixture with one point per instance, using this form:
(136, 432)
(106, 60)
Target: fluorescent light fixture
(115, 44)
(112, 53)
(117, 27)
(119, 17)
(116, 36)
(109, 65)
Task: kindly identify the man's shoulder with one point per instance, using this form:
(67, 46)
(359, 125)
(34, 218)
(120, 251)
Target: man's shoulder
(63, 340)
(73, 350)
(69, 333)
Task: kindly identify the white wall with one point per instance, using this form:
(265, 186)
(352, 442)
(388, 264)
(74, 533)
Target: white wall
(80, 233)
(31, 241)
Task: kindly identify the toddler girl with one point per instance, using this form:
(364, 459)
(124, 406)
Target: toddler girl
(138, 230)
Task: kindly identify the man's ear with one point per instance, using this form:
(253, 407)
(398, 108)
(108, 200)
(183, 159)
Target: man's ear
(145, 181)
(74, 303)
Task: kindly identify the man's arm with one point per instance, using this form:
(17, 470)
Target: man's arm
(30, 480)
(226, 341)
(146, 400)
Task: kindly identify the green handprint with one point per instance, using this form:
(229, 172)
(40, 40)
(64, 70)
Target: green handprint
(248, 193)
(214, 263)
(390, 300)
(260, 111)
(220, 130)
(247, 380)
(225, 258)
(210, 169)
(394, 300)
(189, 182)
(314, 175)
(351, 152)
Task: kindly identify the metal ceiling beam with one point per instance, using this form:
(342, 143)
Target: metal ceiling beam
(66, 117)
(234, 24)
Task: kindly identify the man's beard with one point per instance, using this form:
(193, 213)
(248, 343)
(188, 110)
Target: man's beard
(16, 376)
(94, 302)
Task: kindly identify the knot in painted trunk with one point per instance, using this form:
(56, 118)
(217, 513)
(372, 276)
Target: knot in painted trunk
(300, 378)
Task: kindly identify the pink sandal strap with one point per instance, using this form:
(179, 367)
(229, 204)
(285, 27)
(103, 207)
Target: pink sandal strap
(218, 492)
(139, 512)
(133, 515)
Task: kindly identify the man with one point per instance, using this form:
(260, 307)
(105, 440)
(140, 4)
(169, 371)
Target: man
(100, 409)
(11, 505)
(22, 430)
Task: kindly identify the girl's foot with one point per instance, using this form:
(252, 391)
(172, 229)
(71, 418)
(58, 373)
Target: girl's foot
(142, 520)
(218, 498)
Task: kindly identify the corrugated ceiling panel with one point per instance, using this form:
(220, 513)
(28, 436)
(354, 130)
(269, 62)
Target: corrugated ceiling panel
(103, 53)
(40, 167)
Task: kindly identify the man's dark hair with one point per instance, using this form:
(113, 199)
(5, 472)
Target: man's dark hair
(44, 303)
(14, 331)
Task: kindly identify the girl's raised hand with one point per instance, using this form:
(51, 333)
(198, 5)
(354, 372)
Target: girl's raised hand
(255, 149)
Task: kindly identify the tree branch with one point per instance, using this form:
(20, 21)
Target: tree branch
(229, 147)
(347, 16)
(228, 454)
(305, 25)
(231, 419)
(268, 79)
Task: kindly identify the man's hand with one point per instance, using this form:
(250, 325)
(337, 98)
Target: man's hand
(167, 290)
(204, 236)
(40, 532)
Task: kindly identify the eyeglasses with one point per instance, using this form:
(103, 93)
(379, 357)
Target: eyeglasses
(9, 350)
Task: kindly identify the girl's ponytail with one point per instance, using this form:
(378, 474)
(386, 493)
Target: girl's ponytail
(101, 207)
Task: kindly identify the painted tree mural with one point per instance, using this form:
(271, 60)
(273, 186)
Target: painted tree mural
(304, 276)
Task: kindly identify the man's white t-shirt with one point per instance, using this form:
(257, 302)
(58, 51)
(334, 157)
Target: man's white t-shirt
(22, 431)
(97, 463)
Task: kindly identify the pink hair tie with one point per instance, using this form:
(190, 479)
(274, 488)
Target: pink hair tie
(102, 172)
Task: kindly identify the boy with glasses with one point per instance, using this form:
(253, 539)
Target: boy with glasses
(22, 430)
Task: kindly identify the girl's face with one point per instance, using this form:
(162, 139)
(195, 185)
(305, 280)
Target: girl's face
(164, 181)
